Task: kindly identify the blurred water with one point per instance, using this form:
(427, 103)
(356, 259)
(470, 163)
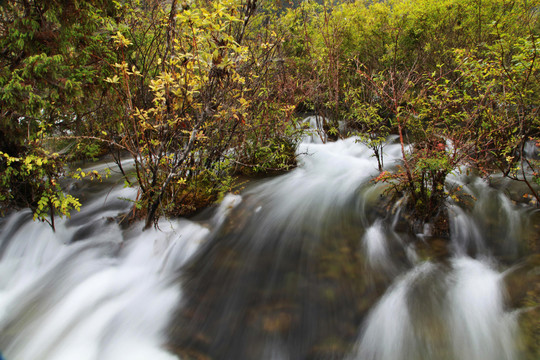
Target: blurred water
(313, 264)
(90, 290)
(436, 313)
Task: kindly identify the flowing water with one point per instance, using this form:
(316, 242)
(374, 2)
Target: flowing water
(313, 264)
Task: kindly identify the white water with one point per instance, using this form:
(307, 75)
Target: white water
(389, 332)
(479, 324)
(106, 297)
(458, 315)
(91, 290)
(95, 291)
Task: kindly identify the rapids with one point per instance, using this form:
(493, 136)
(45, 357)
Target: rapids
(308, 265)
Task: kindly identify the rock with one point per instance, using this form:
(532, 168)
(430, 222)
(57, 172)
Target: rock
(521, 279)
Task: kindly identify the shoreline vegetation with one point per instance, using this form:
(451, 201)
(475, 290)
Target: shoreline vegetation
(197, 92)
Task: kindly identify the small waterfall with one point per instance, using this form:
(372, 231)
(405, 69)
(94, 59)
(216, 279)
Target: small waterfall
(107, 297)
(313, 264)
(431, 313)
(315, 132)
(491, 226)
(376, 246)
(390, 332)
(466, 234)
(90, 290)
(480, 326)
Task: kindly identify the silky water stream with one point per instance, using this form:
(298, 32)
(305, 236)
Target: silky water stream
(307, 265)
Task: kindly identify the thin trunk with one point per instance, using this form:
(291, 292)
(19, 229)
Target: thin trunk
(150, 217)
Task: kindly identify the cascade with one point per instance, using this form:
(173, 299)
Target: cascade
(312, 264)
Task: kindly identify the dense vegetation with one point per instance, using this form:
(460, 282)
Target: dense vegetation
(196, 92)
(458, 79)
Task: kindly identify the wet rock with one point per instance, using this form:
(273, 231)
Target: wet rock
(529, 322)
(521, 280)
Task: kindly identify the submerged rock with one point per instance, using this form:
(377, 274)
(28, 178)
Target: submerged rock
(521, 280)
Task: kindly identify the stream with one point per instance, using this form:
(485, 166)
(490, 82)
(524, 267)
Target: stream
(312, 264)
